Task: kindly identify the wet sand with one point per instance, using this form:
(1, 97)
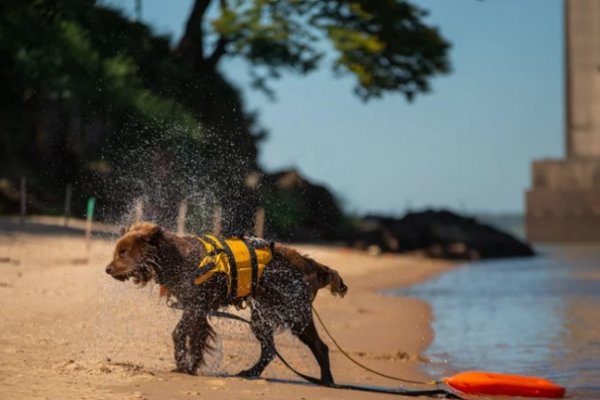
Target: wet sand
(70, 332)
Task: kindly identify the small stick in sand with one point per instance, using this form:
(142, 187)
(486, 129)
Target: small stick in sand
(68, 195)
(88, 225)
(139, 209)
(217, 216)
(181, 217)
(259, 222)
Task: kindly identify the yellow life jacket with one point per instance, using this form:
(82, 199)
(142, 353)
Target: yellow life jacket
(243, 260)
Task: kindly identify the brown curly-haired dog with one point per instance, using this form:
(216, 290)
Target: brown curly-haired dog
(283, 298)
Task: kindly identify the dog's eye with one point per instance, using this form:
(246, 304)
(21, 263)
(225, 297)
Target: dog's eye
(122, 252)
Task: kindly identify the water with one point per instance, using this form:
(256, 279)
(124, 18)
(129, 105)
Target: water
(536, 316)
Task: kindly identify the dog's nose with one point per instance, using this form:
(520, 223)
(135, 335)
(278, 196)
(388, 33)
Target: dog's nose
(109, 269)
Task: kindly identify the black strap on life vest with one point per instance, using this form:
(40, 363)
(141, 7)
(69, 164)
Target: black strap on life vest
(205, 269)
(215, 246)
(232, 269)
(253, 264)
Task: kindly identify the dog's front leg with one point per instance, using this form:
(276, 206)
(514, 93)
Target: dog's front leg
(200, 334)
(190, 340)
(180, 343)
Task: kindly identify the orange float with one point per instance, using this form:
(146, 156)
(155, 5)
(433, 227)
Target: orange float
(494, 383)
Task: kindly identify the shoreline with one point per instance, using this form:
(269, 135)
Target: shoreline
(71, 332)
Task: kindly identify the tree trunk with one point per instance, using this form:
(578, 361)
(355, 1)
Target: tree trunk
(191, 46)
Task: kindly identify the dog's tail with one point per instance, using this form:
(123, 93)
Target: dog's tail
(317, 275)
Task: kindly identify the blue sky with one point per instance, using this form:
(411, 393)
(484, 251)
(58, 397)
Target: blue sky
(467, 145)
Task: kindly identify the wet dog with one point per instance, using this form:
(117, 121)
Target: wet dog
(283, 298)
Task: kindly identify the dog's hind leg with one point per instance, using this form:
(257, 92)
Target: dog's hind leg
(264, 333)
(310, 337)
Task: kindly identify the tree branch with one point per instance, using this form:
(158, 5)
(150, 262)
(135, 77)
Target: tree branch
(219, 51)
(220, 48)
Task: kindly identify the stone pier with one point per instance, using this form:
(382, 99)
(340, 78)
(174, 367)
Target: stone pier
(563, 204)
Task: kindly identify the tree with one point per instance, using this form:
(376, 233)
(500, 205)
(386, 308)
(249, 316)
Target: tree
(384, 44)
(96, 100)
(92, 98)
(75, 101)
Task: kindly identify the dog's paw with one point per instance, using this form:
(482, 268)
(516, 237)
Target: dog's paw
(184, 370)
(248, 374)
(327, 382)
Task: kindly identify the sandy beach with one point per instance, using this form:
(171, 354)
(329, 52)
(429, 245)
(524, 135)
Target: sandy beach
(70, 332)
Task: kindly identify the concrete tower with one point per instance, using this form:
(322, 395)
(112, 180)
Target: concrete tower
(564, 201)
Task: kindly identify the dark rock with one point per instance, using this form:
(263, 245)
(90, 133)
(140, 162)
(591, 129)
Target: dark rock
(298, 209)
(439, 234)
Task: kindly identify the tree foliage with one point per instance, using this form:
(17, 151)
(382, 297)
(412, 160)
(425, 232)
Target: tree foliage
(385, 44)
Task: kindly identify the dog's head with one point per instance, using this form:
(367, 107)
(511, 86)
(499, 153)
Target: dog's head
(135, 253)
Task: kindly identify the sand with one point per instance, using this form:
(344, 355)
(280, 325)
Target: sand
(69, 331)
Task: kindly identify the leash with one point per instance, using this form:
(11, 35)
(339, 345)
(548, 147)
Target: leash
(437, 392)
(371, 370)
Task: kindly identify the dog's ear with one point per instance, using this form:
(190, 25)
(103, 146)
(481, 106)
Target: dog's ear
(148, 232)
